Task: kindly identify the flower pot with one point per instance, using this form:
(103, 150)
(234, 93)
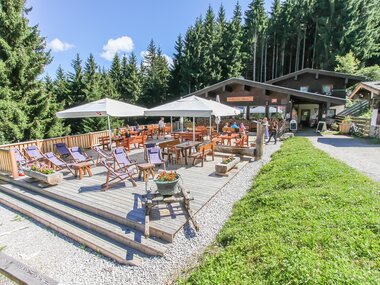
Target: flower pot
(167, 188)
(51, 179)
(344, 128)
(222, 169)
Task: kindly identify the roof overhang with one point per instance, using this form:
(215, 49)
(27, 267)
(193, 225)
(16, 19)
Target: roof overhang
(372, 87)
(317, 72)
(296, 93)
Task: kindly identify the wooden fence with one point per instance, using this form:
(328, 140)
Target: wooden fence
(363, 124)
(7, 160)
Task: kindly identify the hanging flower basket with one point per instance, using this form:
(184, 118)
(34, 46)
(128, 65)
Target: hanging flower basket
(167, 183)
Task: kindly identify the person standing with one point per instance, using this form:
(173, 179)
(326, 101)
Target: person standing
(161, 127)
(273, 131)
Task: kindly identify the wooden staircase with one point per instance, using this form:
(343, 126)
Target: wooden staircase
(104, 235)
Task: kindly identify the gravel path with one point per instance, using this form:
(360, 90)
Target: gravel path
(361, 154)
(70, 263)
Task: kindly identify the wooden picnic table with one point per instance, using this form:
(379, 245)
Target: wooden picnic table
(186, 148)
(229, 138)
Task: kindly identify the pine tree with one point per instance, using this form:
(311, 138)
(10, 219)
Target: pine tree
(133, 82)
(233, 64)
(115, 73)
(177, 82)
(22, 60)
(61, 87)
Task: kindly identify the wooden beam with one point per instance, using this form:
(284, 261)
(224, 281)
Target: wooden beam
(21, 273)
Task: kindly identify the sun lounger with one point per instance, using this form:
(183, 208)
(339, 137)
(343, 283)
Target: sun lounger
(58, 163)
(122, 159)
(34, 154)
(154, 157)
(115, 176)
(103, 155)
(79, 156)
(62, 150)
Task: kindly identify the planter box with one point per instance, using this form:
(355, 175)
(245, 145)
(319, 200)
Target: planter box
(222, 169)
(344, 128)
(51, 179)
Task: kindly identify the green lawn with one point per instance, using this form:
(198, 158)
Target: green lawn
(308, 219)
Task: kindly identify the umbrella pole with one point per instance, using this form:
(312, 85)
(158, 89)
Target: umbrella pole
(193, 128)
(109, 128)
(210, 129)
(181, 121)
(171, 124)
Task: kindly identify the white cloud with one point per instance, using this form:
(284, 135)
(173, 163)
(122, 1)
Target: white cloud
(113, 46)
(57, 45)
(168, 58)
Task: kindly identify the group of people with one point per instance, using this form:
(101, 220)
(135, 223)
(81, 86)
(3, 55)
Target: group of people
(237, 129)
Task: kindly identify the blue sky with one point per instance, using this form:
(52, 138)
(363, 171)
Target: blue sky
(103, 27)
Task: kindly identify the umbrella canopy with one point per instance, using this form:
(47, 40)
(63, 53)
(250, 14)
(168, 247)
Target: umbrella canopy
(103, 108)
(192, 106)
(261, 109)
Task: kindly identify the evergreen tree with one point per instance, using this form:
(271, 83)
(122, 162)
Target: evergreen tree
(115, 73)
(233, 64)
(61, 87)
(133, 82)
(177, 82)
(22, 60)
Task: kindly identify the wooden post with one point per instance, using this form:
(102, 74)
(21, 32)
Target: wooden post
(259, 141)
(13, 164)
(68, 141)
(90, 138)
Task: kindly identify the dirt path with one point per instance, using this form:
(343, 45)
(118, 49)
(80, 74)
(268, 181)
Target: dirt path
(361, 154)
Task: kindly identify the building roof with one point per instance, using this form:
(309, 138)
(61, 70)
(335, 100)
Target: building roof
(371, 86)
(355, 78)
(270, 87)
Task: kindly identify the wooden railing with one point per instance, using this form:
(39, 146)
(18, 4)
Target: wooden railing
(7, 160)
(363, 124)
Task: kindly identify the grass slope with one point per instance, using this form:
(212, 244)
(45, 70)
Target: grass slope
(308, 219)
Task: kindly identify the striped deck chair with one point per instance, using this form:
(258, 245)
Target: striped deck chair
(115, 176)
(58, 163)
(34, 154)
(62, 150)
(154, 156)
(79, 156)
(102, 154)
(122, 159)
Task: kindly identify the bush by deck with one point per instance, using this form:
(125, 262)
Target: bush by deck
(308, 219)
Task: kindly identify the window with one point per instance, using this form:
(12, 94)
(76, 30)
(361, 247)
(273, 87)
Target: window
(326, 89)
(304, 88)
(331, 113)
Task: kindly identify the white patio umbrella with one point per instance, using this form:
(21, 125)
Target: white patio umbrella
(192, 106)
(103, 108)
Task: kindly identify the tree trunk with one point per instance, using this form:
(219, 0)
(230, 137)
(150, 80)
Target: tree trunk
(254, 57)
(297, 62)
(282, 58)
(273, 54)
(265, 62)
(304, 49)
(261, 60)
(276, 66)
(314, 44)
(290, 59)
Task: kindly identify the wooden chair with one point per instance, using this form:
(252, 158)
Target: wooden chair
(79, 156)
(34, 154)
(104, 142)
(115, 176)
(58, 163)
(204, 150)
(102, 155)
(122, 159)
(62, 150)
(243, 141)
(168, 148)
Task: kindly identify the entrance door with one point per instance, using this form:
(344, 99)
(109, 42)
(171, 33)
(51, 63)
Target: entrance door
(305, 118)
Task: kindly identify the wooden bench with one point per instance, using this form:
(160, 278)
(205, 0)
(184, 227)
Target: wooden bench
(203, 151)
(136, 141)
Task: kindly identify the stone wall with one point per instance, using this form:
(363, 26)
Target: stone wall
(375, 132)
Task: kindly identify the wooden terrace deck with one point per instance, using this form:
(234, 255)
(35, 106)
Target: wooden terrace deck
(122, 202)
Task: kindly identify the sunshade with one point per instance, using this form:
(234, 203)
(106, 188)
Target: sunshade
(103, 108)
(192, 106)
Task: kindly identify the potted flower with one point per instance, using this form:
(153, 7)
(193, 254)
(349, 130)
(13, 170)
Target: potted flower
(44, 174)
(167, 182)
(345, 126)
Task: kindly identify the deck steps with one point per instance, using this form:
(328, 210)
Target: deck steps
(112, 215)
(123, 244)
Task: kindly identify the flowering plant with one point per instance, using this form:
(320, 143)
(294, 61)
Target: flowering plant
(228, 160)
(167, 176)
(43, 170)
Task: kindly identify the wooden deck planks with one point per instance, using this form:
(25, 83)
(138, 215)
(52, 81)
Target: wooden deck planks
(124, 200)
